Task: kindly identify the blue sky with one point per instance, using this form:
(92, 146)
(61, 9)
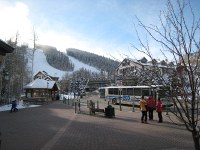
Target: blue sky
(104, 27)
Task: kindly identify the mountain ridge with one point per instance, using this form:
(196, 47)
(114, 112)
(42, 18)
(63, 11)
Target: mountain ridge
(61, 61)
(41, 64)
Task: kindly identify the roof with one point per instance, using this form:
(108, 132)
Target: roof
(44, 75)
(41, 84)
(5, 48)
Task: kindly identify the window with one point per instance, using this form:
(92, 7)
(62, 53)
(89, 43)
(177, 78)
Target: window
(145, 92)
(130, 91)
(124, 92)
(110, 91)
(115, 91)
(137, 91)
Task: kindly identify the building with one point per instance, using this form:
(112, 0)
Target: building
(4, 49)
(129, 67)
(43, 88)
(44, 75)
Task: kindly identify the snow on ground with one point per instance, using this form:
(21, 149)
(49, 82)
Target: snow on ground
(41, 64)
(20, 104)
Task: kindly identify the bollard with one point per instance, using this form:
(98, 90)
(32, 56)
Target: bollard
(79, 105)
(120, 104)
(133, 106)
(75, 107)
(97, 104)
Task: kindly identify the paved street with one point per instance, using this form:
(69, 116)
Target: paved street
(56, 127)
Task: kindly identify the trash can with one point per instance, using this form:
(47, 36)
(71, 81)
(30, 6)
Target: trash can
(109, 111)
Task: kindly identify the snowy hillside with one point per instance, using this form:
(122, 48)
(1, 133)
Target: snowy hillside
(41, 64)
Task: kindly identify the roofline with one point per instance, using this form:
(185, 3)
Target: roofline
(6, 47)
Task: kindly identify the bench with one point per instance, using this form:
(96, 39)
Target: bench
(92, 109)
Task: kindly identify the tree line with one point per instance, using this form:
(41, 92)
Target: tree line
(57, 59)
(100, 62)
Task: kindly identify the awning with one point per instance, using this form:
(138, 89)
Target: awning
(5, 48)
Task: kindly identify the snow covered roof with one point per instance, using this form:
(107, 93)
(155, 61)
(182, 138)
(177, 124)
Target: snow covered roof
(40, 84)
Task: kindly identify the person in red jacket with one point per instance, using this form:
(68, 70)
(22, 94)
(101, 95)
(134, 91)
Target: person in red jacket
(151, 106)
(159, 109)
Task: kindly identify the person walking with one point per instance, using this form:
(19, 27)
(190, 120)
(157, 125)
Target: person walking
(143, 108)
(14, 106)
(159, 109)
(150, 106)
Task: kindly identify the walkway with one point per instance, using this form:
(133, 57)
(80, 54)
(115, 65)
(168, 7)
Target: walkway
(56, 127)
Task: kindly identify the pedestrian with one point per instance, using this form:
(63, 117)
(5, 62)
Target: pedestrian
(14, 106)
(143, 108)
(150, 106)
(159, 109)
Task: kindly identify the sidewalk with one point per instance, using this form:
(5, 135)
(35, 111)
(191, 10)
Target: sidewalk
(55, 126)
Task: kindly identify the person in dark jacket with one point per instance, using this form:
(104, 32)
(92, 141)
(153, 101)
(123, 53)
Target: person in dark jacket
(14, 106)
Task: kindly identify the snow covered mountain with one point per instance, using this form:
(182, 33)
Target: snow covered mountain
(41, 64)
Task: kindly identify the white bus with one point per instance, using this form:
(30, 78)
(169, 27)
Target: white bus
(131, 94)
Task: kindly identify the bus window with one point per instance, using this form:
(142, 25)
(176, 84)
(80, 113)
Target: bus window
(137, 92)
(115, 91)
(145, 92)
(129, 91)
(124, 92)
(110, 91)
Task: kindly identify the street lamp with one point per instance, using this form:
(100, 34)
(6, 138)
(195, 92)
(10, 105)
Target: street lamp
(120, 102)
(47, 89)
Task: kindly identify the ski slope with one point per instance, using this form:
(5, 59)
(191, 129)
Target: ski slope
(41, 64)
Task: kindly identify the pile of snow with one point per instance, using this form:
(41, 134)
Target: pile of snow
(20, 105)
(41, 64)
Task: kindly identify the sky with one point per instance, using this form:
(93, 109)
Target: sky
(103, 27)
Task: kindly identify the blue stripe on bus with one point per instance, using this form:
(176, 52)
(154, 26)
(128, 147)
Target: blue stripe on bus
(125, 98)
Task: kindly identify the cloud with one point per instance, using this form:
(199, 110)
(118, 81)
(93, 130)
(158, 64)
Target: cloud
(14, 19)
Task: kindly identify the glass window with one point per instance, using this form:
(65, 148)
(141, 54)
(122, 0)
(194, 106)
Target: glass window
(130, 91)
(124, 91)
(110, 91)
(137, 91)
(115, 91)
(145, 92)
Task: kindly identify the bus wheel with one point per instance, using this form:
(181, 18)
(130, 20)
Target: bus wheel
(114, 101)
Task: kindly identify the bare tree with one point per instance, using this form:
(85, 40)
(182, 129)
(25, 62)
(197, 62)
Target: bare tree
(33, 51)
(180, 38)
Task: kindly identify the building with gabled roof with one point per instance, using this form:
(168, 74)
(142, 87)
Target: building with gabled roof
(44, 75)
(128, 67)
(43, 87)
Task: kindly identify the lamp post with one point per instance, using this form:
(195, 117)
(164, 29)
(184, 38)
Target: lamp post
(47, 90)
(120, 102)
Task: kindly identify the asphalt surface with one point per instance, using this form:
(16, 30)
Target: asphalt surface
(56, 126)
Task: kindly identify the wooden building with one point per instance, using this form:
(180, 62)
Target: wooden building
(43, 88)
(4, 49)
